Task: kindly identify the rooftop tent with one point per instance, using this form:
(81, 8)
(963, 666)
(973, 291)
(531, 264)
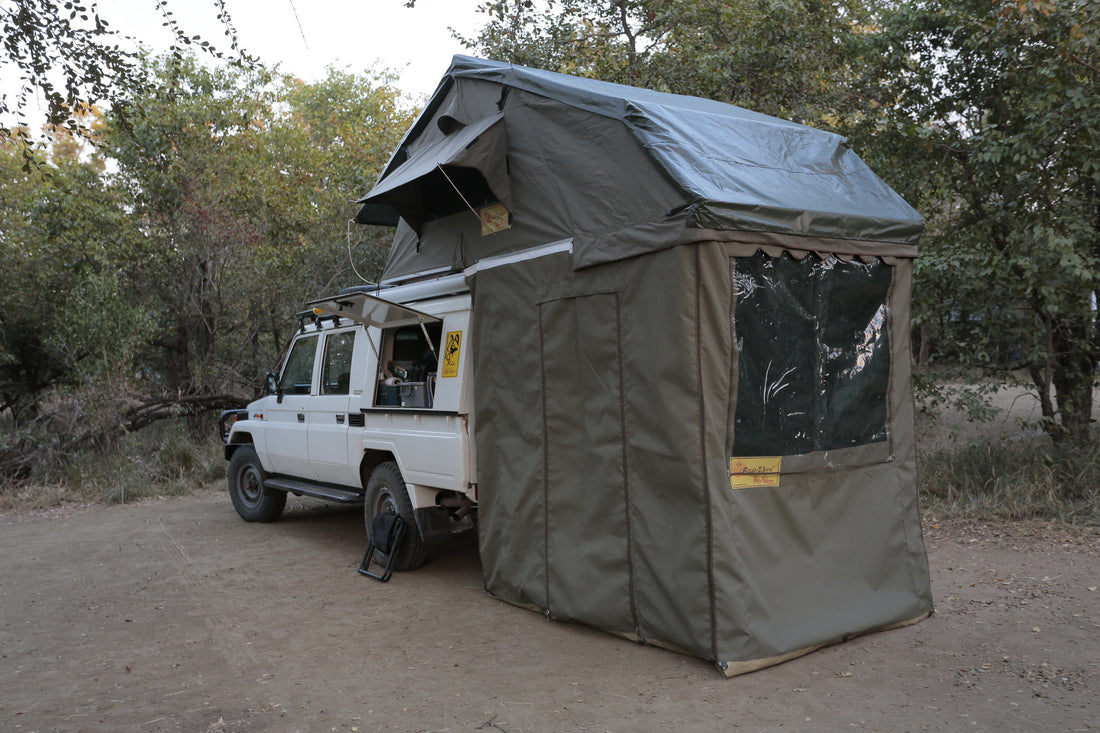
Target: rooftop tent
(694, 416)
(643, 168)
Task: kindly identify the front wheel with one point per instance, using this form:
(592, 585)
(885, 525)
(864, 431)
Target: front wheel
(246, 488)
(386, 493)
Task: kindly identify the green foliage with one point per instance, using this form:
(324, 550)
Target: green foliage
(242, 182)
(169, 274)
(993, 107)
(62, 247)
(789, 58)
(68, 55)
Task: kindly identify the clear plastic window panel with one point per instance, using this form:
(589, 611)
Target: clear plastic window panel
(813, 354)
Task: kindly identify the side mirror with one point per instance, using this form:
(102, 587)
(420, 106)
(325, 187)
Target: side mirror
(273, 385)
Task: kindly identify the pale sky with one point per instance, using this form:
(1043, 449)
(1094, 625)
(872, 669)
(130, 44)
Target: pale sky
(415, 42)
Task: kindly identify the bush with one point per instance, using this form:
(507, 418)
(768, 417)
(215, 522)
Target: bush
(161, 460)
(1022, 478)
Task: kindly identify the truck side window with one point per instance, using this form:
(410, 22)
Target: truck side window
(298, 374)
(336, 368)
(409, 364)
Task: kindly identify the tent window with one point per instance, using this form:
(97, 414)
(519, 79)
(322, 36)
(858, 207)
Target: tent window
(813, 354)
(440, 198)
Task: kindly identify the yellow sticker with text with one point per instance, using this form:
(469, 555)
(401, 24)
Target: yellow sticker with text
(494, 219)
(451, 352)
(748, 472)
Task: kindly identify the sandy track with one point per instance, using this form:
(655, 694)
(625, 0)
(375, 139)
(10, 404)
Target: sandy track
(174, 615)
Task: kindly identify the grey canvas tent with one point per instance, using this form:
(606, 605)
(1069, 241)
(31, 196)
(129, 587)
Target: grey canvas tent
(694, 416)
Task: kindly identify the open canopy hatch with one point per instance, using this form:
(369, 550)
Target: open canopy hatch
(371, 310)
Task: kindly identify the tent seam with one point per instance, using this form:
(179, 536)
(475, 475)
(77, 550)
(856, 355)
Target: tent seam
(626, 470)
(703, 458)
(545, 470)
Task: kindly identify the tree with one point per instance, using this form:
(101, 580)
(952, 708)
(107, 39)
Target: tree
(161, 285)
(70, 55)
(62, 245)
(789, 58)
(242, 182)
(1000, 103)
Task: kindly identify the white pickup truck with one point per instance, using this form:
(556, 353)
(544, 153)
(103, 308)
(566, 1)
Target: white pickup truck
(372, 404)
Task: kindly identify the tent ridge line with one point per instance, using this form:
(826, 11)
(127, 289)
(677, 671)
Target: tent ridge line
(761, 166)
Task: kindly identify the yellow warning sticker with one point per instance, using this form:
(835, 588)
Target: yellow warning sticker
(494, 219)
(748, 472)
(451, 353)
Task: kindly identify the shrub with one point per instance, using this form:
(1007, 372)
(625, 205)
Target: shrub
(1021, 478)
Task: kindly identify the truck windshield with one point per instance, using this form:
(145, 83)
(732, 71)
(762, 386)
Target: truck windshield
(298, 374)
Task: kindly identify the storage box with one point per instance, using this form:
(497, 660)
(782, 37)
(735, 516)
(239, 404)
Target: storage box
(388, 395)
(414, 394)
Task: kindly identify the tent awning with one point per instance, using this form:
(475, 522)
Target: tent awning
(421, 179)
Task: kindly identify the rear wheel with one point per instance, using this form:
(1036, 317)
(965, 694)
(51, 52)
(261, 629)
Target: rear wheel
(246, 488)
(386, 493)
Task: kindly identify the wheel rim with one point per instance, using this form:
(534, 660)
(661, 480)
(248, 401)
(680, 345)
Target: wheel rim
(385, 503)
(252, 487)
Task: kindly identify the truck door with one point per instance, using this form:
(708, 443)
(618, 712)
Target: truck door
(288, 419)
(328, 426)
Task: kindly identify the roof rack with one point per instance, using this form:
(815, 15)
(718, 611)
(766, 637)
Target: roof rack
(316, 318)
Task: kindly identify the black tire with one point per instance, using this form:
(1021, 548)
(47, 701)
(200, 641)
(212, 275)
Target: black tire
(386, 492)
(251, 499)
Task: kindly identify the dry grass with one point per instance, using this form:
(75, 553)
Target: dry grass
(1023, 478)
(1002, 469)
(1005, 467)
(159, 461)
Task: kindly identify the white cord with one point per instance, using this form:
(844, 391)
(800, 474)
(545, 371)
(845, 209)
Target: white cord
(351, 260)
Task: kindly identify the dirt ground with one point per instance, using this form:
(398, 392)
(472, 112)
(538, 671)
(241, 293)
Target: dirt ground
(174, 615)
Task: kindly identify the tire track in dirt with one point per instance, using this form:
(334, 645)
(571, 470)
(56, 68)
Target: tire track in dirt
(225, 634)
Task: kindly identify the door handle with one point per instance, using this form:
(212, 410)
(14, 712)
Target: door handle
(301, 417)
(340, 419)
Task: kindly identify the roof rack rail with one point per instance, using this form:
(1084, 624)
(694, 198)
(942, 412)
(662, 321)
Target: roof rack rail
(368, 289)
(316, 318)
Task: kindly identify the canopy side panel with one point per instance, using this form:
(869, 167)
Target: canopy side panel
(902, 409)
(588, 536)
(834, 549)
(508, 420)
(407, 257)
(665, 350)
(592, 492)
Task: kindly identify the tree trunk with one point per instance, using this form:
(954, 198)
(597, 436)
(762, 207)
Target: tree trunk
(1072, 376)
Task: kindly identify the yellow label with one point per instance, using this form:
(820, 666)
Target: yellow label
(494, 219)
(748, 472)
(451, 352)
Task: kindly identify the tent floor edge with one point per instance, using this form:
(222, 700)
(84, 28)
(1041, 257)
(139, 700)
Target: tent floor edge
(735, 669)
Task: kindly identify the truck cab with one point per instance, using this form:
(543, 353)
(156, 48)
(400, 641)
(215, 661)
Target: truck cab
(371, 405)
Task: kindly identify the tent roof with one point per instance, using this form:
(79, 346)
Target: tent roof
(737, 169)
